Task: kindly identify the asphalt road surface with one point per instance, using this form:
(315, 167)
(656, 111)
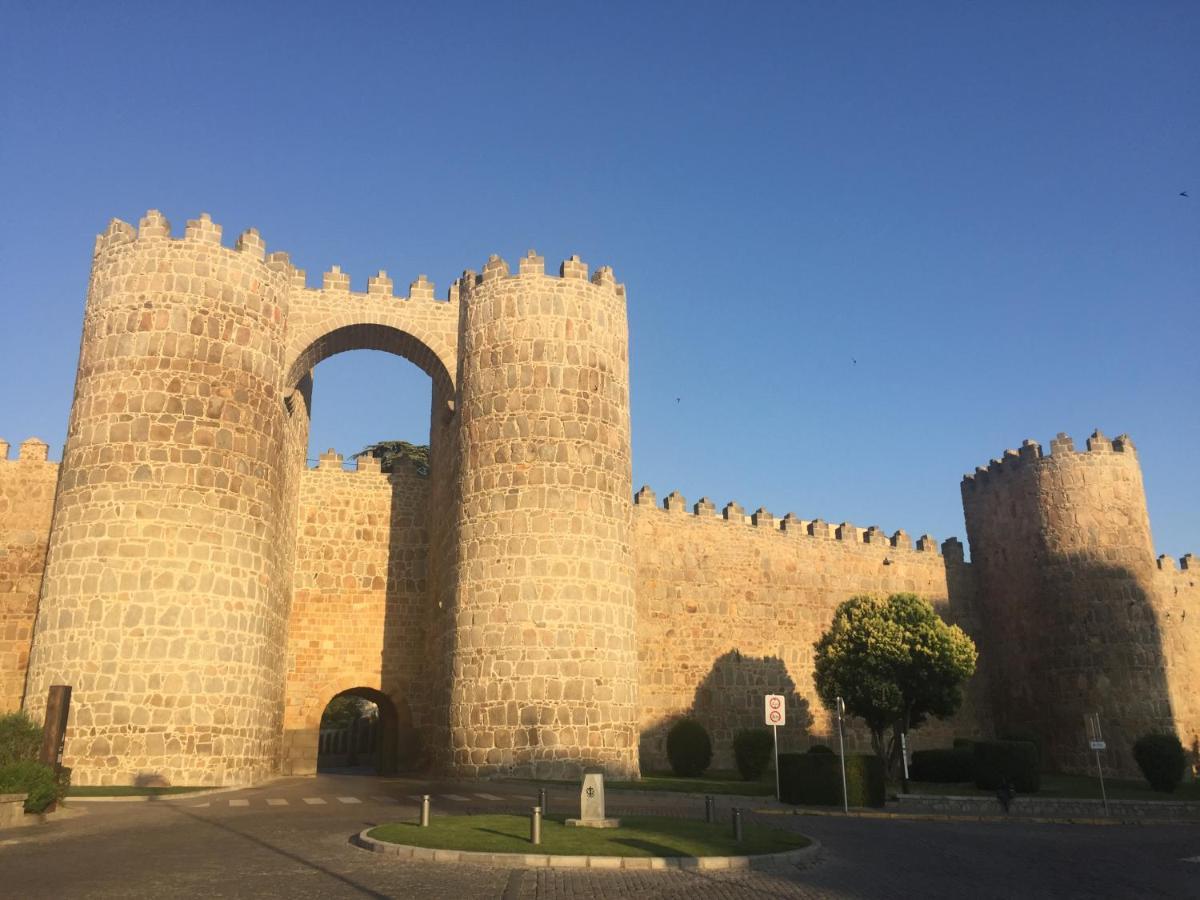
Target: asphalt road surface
(291, 839)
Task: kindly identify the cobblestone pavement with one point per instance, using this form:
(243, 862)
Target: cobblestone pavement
(240, 845)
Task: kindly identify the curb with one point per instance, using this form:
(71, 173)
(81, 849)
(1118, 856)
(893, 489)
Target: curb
(551, 861)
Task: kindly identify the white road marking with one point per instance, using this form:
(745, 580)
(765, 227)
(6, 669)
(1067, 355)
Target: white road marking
(349, 800)
(457, 797)
(488, 797)
(200, 805)
(383, 799)
(1195, 859)
(239, 802)
(314, 801)
(277, 801)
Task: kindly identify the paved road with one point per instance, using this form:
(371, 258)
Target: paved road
(291, 839)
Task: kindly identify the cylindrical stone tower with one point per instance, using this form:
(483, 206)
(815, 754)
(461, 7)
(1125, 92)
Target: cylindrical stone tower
(164, 604)
(542, 643)
(1062, 548)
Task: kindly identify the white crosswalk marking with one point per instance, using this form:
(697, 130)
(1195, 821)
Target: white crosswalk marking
(380, 798)
(239, 802)
(314, 801)
(277, 801)
(456, 797)
(488, 797)
(349, 800)
(1195, 859)
(200, 805)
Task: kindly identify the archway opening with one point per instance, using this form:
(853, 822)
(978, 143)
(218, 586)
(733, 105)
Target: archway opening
(362, 581)
(359, 734)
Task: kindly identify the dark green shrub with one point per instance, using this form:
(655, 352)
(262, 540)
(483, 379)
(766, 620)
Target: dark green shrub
(689, 748)
(1013, 761)
(752, 752)
(20, 738)
(820, 748)
(1020, 734)
(816, 779)
(36, 780)
(943, 765)
(1161, 759)
(963, 743)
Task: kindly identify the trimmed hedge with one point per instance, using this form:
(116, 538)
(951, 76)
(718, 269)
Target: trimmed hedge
(20, 739)
(752, 752)
(820, 748)
(689, 748)
(1161, 759)
(955, 765)
(815, 779)
(36, 780)
(1013, 761)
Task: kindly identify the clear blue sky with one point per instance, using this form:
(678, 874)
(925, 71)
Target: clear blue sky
(977, 202)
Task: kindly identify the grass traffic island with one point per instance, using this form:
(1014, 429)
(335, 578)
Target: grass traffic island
(640, 842)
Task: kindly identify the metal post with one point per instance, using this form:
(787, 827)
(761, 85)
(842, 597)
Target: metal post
(542, 801)
(710, 810)
(775, 731)
(1103, 793)
(424, 810)
(904, 757)
(841, 711)
(535, 826)
(737, 824)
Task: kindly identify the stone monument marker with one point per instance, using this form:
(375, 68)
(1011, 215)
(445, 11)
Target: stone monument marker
(591, 803)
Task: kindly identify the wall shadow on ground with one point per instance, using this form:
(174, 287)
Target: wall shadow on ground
(728, 699)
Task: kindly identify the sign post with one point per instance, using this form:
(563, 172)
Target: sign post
(904, 757)
(1096, 743)
(841, 713)
(775, 714)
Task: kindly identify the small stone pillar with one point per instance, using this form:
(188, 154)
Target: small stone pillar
(591, 803)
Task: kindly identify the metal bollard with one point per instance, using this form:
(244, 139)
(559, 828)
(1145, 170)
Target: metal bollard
(542, 801)
(535, 826)
(710, 810)
(737, 824)
(424, 810)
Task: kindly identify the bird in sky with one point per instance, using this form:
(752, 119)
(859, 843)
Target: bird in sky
(1183, 193)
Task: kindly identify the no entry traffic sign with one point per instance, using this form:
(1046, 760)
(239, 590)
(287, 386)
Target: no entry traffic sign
(774, 711)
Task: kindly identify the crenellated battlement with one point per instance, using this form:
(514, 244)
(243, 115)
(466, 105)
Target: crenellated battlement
(1030, 455)
(1187, 563)
(791, 525)
(534, 266)
(30, 450)
(332, 461)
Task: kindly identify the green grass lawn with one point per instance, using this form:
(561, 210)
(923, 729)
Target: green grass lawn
(637, 836)
(716, 782)
(1070, 786)
(127, 790)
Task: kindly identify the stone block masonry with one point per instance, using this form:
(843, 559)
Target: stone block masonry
(206, 594)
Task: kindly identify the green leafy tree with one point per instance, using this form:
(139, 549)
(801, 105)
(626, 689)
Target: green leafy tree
(895, 663)
(392, 454)
(342, 711)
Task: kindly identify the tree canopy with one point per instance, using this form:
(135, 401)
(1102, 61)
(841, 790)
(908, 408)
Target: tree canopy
(894, 663)
(392, 454)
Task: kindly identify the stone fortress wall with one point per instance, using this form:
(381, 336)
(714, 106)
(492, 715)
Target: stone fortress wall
(512, 611)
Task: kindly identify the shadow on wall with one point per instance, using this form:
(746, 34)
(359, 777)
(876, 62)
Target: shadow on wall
(1092, 642)
(729, 699)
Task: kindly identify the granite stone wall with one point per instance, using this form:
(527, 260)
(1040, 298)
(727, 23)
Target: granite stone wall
(730, 604)
(359, 603)
(26, 501)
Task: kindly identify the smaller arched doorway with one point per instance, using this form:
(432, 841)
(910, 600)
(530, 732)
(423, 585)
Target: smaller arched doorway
(359, 734)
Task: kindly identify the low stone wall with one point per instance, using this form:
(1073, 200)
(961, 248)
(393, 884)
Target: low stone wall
(1051, 807)
(12, 809)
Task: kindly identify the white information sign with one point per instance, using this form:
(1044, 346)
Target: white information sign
(774, 712)
(1098, 745)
